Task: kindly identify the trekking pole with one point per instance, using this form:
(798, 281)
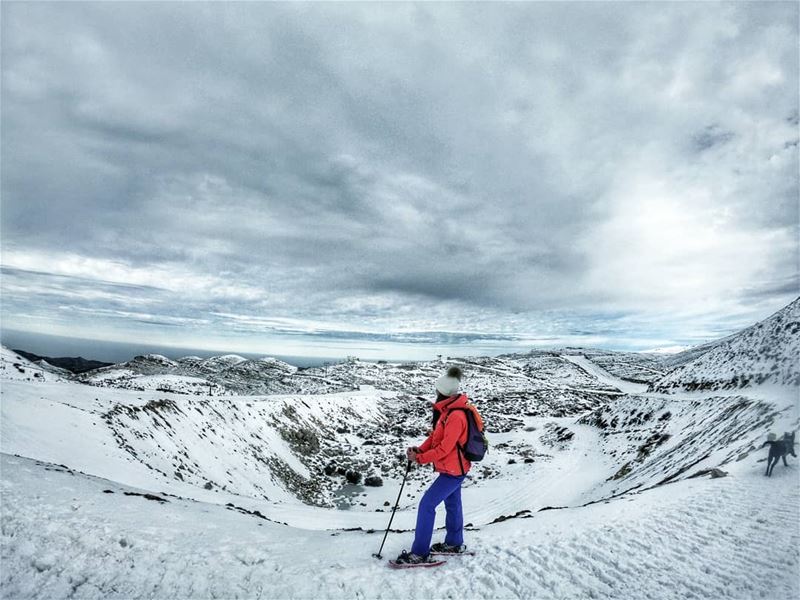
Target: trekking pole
(400, 493)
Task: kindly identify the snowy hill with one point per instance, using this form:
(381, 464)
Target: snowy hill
(766, 353)
(219, 375)
(67, 534)
(14, 367)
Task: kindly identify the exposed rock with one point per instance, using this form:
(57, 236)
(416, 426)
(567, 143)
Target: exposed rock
(623, 470)
(715, 473)
(556, 435)
(522, 514)
(147, 496)
(655, 440)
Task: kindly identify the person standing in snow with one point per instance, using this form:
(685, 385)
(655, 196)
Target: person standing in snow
(442, 449)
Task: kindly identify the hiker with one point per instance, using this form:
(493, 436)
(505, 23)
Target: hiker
(442, 448)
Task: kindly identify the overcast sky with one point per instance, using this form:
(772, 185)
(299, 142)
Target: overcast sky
(292, 179)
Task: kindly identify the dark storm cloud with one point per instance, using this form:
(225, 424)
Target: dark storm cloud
(398, 165)
(711, 136)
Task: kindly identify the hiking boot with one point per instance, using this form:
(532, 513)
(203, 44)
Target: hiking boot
(442, 548)
(407, 558)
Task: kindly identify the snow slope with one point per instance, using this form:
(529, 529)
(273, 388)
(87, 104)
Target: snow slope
(635, 367)
(71, 535)
(768, 352)
(594, 369)
(14, 367)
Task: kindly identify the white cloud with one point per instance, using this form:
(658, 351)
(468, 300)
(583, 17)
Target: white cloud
(165, 276)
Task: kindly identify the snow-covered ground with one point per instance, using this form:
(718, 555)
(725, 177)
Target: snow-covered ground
(593, 486)
(605, 377)
(66, 535)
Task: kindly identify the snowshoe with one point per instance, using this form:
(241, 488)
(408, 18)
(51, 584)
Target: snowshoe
(441, 549)
(408, 560)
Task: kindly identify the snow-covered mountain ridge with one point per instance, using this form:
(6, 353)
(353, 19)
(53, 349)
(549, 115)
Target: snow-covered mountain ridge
(485, 376)
(765, 353)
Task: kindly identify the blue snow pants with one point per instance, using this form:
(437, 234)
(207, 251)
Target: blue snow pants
(447, 488)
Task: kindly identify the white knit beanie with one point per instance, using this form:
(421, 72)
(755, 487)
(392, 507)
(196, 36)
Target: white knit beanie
(448, 384)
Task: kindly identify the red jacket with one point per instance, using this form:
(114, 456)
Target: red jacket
(441, 447)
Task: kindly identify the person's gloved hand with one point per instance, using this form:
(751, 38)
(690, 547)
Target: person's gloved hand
(411, 454)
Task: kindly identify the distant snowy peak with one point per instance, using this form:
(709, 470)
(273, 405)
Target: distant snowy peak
(158, 358)
(214, 364)
(151, 360)
(272, 360)
(53, 368)
(767, 352)
(666, 350)
(226, 359)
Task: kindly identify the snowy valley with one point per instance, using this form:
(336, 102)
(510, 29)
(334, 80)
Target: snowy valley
(609, 474)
